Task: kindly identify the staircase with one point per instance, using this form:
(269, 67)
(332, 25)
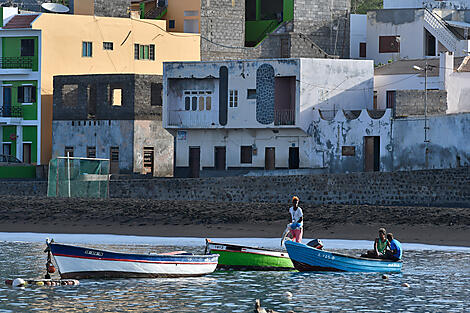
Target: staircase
(438, 28)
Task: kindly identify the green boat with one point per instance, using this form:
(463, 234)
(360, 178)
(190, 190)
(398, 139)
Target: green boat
(243, 258)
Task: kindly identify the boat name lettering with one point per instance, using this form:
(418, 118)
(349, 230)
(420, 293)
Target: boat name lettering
(393, 265)
(95, 253)
(216, 247)
(326, 256)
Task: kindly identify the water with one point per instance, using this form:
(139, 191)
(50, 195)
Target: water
(439, 278)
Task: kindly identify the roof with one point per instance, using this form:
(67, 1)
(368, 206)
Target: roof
(465, 66)
(21, 21)
(458, 24)
(404, 67)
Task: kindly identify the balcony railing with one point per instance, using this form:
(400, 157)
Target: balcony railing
(192, 119)
(7, 111)
(16, 62)
(284, 117)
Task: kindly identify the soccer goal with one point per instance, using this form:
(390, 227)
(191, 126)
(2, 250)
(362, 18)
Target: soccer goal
(73, 177)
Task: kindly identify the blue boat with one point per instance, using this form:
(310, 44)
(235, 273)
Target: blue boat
(306, 258)
(79, 262)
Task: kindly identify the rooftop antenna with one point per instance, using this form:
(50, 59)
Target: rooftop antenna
(55, 7)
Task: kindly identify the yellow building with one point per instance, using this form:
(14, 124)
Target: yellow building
(180, 15)
(81, 44)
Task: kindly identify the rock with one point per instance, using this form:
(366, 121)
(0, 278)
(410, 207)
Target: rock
(405, 285)
(18, 282)
(259, 309)
(384, 276)
(288, 295)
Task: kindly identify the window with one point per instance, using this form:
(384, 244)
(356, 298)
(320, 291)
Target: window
(91, 152)
(69, 95)
(68, 151)
(389, 44)
(116, 95)
(114, 154)
(391, 96)
(171, 24)
(197, 100)
(191, 26)
(251, 94)
(87, 49)
(375, 100)
(27, 47)
(362, 49)
(246, 154)
(191, 13)
(26, 94)
(156, 94)
(108, 45)
(144, 52)
(233, 98)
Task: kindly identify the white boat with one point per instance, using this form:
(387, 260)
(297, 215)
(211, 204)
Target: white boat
(81, 263)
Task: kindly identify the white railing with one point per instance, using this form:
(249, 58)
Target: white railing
(438, 28)
(193, 119)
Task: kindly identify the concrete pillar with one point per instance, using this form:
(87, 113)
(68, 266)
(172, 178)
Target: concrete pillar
(446, 64)
(19, 142)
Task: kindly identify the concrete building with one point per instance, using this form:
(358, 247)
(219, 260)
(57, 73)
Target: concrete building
(358, 41)
(115, 116)
(239, 29)
(247, 115)
(20, 82)
(82, 44)
(180, 15)
(417, 29)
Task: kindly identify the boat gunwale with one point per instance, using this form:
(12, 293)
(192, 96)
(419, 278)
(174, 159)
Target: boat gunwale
(248, 247)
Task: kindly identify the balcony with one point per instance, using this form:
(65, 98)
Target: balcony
(284, 117)
(16, 62)
(193, 119)
(8, 111)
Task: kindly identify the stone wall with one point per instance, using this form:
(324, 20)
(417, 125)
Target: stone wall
(421, 188)
(411, 102)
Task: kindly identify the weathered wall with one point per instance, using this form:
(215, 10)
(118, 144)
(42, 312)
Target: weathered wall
(100, 134)
(412, 102)
(458, 92)
(421, 188)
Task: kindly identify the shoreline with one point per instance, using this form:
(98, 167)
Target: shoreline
(422, 234)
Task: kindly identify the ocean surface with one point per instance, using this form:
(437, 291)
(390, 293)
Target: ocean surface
(439, 279)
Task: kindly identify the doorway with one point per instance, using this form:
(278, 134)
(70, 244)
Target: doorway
(270, 158)
(194, 162)
(220, 158)
(114, 160)
(27, 153)
(7, 148)
(6, 102)
(371, 153)
(148, 160)
(294, 159)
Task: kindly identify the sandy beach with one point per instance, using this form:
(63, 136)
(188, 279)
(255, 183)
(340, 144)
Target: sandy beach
(431, 225)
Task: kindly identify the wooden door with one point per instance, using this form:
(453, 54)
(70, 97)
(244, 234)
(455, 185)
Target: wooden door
(220, 158)
(27, 153)
(270, 159)
(294, 159)
(114, 160)
(194, 161)
(371, 153)
(149, 153)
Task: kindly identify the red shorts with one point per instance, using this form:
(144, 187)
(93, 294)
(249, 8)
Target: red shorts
(297, 234)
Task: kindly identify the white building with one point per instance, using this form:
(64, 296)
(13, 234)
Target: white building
(256, 114)
(358, 41)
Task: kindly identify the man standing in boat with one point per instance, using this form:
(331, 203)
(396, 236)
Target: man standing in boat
(296, 227)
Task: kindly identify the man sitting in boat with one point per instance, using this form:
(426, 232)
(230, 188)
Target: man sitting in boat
(380, 246)
(395, 253)
(296, 227)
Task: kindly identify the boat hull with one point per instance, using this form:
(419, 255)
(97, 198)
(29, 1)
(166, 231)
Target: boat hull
(306, 258)
(81, 263)
(235, 257)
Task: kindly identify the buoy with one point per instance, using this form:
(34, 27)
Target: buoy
(384, 276)
(50, 268)
(405, 285)
(288, 295)
(18, 282)
(39, 283)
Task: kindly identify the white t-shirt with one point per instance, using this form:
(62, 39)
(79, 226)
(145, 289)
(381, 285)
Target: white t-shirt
(296, 215)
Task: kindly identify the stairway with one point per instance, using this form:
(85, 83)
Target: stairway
(438, 28)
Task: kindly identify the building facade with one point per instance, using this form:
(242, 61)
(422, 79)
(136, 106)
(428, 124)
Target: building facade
(256, 114)
(116, 117)
(20, 84)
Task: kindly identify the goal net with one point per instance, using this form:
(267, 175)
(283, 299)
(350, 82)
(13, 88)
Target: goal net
(71, 177)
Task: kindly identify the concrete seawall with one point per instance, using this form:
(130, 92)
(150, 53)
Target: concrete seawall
(446, 188)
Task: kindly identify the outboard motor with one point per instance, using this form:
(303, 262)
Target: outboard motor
(316, 243)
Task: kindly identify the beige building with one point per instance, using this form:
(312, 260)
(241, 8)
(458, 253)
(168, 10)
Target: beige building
(81, 44)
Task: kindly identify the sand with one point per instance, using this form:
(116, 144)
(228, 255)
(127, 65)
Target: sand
(432, 225)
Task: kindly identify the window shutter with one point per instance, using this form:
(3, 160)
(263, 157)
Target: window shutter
(33, 93)
(136, 51)
(152, 52)
(20, 94)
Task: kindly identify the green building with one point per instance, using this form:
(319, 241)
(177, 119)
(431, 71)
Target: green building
(20, 82)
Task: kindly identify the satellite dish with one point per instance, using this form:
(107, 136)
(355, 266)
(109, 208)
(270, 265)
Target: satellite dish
(55, 7)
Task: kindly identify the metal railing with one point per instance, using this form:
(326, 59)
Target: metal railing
(8, 111)
(284, 117)
(16, 62)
